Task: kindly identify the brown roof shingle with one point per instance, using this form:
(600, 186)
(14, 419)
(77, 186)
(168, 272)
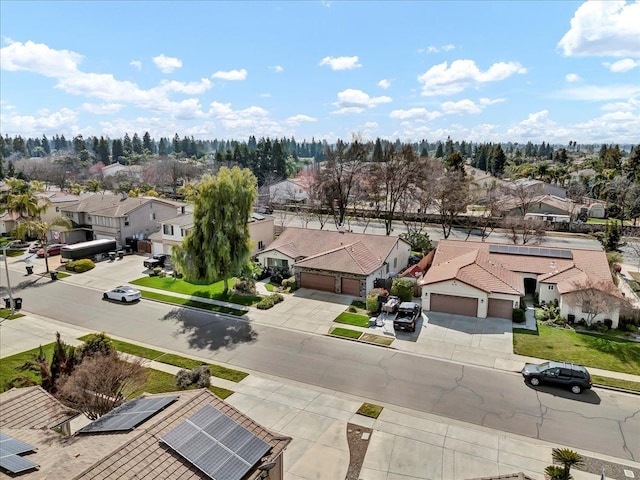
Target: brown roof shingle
(32, 407)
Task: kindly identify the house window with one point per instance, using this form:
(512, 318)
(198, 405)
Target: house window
(184, 232)
(88, 218)
(260, 245)
(551, 287)
(395, 263)
(57, 209)
(167, 229)
(126, 220)
(586, 307)
(277, 262)
(152, 216)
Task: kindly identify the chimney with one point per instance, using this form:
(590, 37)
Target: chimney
(123, 196)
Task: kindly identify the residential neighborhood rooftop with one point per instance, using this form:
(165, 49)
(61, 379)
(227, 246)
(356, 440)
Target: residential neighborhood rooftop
(114, 205)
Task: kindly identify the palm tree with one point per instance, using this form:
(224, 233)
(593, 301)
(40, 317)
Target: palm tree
(42, 230)
(567, 458)
(555, 472)
(26, 204)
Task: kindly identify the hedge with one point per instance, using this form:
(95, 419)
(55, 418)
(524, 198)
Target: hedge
(80, 266)
(270, 301)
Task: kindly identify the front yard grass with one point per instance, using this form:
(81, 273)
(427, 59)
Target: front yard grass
(379, 339)
(190, 303)
(345, 332)
(635, 276)
(213, 291)
(175, 360)
(8, 366)
(6, 314)
(352, 319)
(163, 382)
(607, 352)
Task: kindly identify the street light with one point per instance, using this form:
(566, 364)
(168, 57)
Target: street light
(6, 267)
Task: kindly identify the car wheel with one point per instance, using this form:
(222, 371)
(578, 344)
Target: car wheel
(123, 300)
(105, 296)
(576, 389)
(535, 381)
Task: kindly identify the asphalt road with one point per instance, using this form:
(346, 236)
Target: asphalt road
(599, 421)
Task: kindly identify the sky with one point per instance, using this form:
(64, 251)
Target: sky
(480, 71)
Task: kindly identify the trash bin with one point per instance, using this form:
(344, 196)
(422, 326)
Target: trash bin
(17, 303)
(54, 275)
(7, 302)
(29, 269)
(120, 254)
(112, 256)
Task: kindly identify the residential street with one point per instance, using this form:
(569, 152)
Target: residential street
(599, 421)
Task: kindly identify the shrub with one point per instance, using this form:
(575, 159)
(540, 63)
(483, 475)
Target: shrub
(289, 283)
(96, 343)
(245, 285)
(183, 379)
(372, 304)
(352, 309)
(198, 377)
(270, 301)
(403, 288)
(608, 323)
(80, 266)
(518, 315)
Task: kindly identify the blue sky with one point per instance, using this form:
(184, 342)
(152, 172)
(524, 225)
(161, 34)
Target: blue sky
(479, 71)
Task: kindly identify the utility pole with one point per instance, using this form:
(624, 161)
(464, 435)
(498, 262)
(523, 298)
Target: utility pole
(6, 267)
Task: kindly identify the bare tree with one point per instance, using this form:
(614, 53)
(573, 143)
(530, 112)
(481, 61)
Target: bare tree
(419, 197)
(527, 230)
(594, 297)
(101, 383)
(634, 248)
(451, 198)
(522, 196)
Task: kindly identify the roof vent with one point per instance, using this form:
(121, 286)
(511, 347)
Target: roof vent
(123, 196)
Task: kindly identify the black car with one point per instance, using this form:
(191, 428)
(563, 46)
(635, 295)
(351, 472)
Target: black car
(407, 316)
(575, 377)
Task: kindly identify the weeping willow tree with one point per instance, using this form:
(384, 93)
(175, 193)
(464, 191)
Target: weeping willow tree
(218, 247)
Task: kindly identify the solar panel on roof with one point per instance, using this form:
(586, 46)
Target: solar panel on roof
(129, 415)
(531, 251)
(216, 444)
(9, 450)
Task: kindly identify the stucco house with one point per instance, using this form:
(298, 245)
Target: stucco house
(338, 262)
(291, 190)
(173, 231)
(56, 442)
(118, 217)
(487, 280)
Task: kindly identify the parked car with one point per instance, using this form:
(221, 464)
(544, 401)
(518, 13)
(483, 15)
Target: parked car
(17, 244)
(267, 209)
(123, 294)
(391, 305)
(53, 249)
(407, 316)
(576, 377)
(158, 260)
(35, 247)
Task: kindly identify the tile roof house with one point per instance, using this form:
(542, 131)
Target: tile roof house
(141, 451)
(118, 216)
(487, 280)
(338, 262)
(290, 190)
(173, 231)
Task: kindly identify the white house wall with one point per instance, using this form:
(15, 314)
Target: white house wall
(548, 292)
(262, 231)
(263, 258)
(566, 310)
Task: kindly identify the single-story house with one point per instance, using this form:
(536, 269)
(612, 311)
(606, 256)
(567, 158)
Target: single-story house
(487, 280)
(157, 442)
(291, 190)
(118, 217)
(338, 262)
(173, 231)
(547, 207)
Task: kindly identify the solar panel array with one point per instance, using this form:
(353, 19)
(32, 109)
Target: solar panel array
(217, 445)
(129, 415)
(531, 251)
(10, 449)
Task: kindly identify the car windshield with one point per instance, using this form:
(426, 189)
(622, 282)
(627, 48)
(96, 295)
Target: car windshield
(543, 366)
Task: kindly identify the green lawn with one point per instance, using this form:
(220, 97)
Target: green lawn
(635, 276)
(370, 410)
(589, 349)
(8, 365)
(5, 313)
(190, 303)
(161, 382)
(345, 332)
(176, 360)
(16, 252)
(602, 221)
(213, 291)
(352, 319)
(379, 339)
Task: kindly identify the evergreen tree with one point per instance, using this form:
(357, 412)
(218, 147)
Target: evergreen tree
(162, 148)
(147, 144)
(78, 144)
(377, 151)
(103, 151)
(631, 166)
(19, 146)
(117, 150)
(448, 147)
(498, 160)
(127, 147)
(45, 145)
(136, 144)
(439, 150)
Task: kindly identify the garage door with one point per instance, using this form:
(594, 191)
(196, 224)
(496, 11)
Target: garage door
(500, 308)
(351, 286)
(326, 283)
(456, 305)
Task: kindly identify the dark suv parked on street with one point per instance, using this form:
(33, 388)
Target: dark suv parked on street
(575, 377)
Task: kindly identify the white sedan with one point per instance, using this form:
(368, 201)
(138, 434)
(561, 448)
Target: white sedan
(122, 294)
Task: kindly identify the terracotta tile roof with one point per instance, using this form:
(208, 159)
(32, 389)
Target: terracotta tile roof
(360, 253)
(114, 205)
(32, 407)
(135, 454)
(414, 271)
(592, 263)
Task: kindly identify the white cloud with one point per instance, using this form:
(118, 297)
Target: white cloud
(167, 64)
(434, 49)
(415, 114)
(298, 119)
(265, 95)
(442, 79)
(631, 106)
(39, 58)
(356, 101)
(597, 93)
(45, 122)
(190, 88)
(341, 63)
(231, 75)
(102, 109)
(384, 83)
(136, 63)
(603, 28)
(448, 48)
(491, 101)
(277, 68)
(622, 66)
(572, 77)
(463, 106)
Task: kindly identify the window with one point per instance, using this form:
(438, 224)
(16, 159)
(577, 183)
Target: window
(184, 232)
(586, 306)
(57, 209)
(88, 218)
(551, 287)
(395, 263)
(167, 229)
(126, 220)
(260, 245)
(152, 216)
